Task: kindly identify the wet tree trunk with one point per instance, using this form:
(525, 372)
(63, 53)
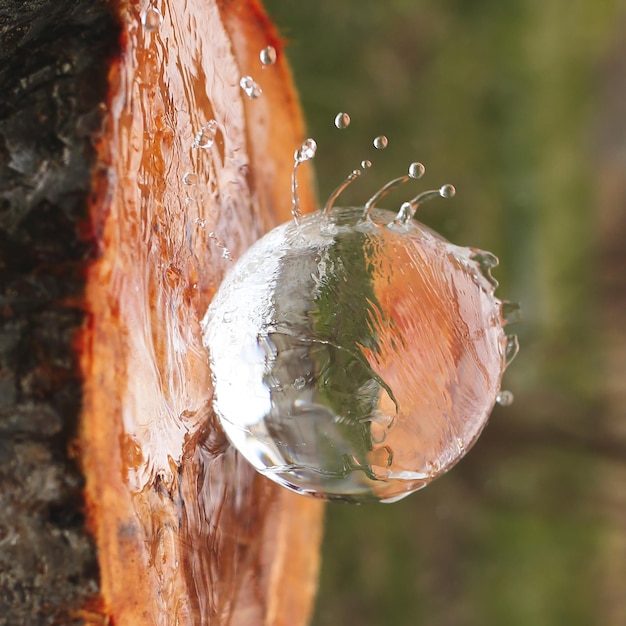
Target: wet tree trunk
(120, 500)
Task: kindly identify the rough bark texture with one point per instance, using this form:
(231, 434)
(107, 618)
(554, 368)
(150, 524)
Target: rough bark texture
(93, 231)
(53, 60)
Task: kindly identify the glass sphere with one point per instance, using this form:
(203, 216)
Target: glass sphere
(355, 359)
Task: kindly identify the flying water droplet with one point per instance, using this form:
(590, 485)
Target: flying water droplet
(304, 153)
(342, 120)
(268, 55)
(299, 383)
(250, 87)
(381, 142)
(416, 170)
(366, 164)
(505, 398)
(190, 179)
(151, 19)
(206, 136)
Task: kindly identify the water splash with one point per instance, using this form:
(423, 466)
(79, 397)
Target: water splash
(355, 330)
(305, 152)
(486, 262)
(352, 336)
(342, 120)
(511, 312)
(250, 87)
(268, 56)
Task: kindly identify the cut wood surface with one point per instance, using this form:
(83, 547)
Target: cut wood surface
(185, 532)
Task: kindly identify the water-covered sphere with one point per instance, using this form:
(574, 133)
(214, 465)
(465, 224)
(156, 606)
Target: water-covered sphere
(353, 358)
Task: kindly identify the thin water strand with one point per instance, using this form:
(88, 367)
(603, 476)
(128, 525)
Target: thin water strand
(382, 192)
(328, 207)
(408, 209)
(304, 153)
(416, 170)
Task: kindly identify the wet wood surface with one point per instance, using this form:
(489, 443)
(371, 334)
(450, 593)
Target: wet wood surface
(184, 532)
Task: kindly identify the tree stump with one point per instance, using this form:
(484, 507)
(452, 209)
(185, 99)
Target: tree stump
(121, 500)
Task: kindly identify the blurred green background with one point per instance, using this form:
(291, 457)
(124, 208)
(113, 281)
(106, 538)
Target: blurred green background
(521, 104)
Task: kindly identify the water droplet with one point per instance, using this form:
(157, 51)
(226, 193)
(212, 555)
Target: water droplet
(200, 222)
(206, 135)
(251, 88)
(416, 170)
(505, 398)
(268, 55)
(151, 19)
(306, 151)
(381, 142)
(447, 191)
(299, 383)
(512, 348)
(190, 178)
(342, 120)
(366, 164)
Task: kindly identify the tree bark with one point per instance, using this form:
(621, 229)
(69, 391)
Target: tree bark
(121, 501)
